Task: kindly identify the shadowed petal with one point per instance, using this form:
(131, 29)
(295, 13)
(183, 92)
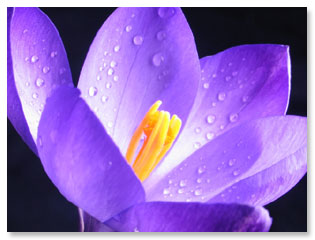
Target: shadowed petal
(90, 224)
(37, 64)
(139, 56)
(269, 184)
(14, 106)
(82, 160)
(240, 153)
(191, 217)
(239, 84)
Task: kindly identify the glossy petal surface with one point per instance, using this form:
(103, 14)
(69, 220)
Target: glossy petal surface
(39, 62)
(191, 217)
(82, 160)
(238, 84)
(139, 56)
(240, 153)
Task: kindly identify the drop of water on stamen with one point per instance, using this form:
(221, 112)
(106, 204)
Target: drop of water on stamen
(92, 91)
(157, 59)
(138, 40)
(40, 82)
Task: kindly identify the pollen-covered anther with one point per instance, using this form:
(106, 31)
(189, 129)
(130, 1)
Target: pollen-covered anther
(160, 132)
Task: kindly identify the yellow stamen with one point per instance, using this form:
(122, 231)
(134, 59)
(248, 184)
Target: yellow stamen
(160, 134)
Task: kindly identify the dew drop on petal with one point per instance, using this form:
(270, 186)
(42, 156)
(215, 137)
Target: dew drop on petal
(221, 96)
(235, 173)
(113, 63)
(157, 59)
(110, 124)
(165, 12)
(201, 169)
(110, 72)
(34, 59)
(138, 40)
(128, 28)
(116, 48)
(197, 145)
(166, 191)
(108, 85)
(198, 180)
(227, 78)
(210, 119)
(198, 192)
(46, 69)
(92, 91)
(161, 35)
(27, 84)
(104, 99)
(98, 77)
(234, 73)
(183, 183)
(245, 99)
(40, 141)
(115, 78)
(233, 117)
(197, 130)
(35, 95)
(40, 82)
(210, 136)
(232, 162)
(53, 54)
(206, 85)
(180, 191)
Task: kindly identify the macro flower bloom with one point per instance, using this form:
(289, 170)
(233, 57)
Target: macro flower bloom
(227, 151)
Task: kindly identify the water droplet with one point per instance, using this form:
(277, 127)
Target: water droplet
(35, 95)
(245, 99)
(198, 192)
(25, 31)
(98, 77)
(138, 40)
(110, 124)
(221, 96)
(249, 157)
(104, 99)
(166, 12)
(214, 75)
(105, 53)
(233, 117)
(92, 91)
(222, 70)
(222, 127)
(230, 64)
(110, 163)
(206, 85)
(234, 73)
(241, 86)
(197, 130)
(232, 162)
(40, 82)
(53, 54)
(180, 191)
(227, 78)
(104, 65)
(115, 78)
(183, 183)
(210, 119)
(46, 69)
(113, 64)
(161, 35)
(213, 104)
(188, 200)
(208, 180)
(101, 68)
(128, 28)
(166, 191)
(201, 169)
(197, 145)
(27, 84)
(170, 181)
(108, 85)
(222, 195)
(133, 15)
(235, 173)
(203, 78)
(157, 59)
(40, 141)
(210, 136)
(116, 48)
(62, 71)
(34, 59)
(253, 196)
(110, 72)
(198, 180)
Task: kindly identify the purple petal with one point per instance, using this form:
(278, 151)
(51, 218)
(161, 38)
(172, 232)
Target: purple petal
(82, 160)
(239, 84)
(14, 106)
(90, 224)
(139, 56)
(37, 64)
(240, 153)
(269, 184)
(191, 217)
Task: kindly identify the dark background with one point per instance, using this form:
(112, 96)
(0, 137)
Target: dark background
(34, 204)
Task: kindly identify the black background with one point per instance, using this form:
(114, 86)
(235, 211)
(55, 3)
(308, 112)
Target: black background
(34, 204)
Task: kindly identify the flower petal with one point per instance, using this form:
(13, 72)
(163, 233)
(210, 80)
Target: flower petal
(139, 56)
(191, 217)
(82, 160)
(242, 152)
(14, 106)
(239, 84)
(37, 64)
(90, 224)
(268, 185)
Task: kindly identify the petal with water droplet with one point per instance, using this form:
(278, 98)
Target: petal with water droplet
(33, 73)
(141, 60)
(83, 162)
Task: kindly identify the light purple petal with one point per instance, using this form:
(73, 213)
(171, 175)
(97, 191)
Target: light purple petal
(90, 224)
(239, 84)
(139, 56)
(37, 64)
(14, 106)
(191, 217)
(242, 152)
(82, 160)
(269, 184)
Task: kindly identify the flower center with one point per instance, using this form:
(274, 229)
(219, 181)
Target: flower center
(159, 134)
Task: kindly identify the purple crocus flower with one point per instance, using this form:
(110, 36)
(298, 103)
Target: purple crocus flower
(236, 150)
